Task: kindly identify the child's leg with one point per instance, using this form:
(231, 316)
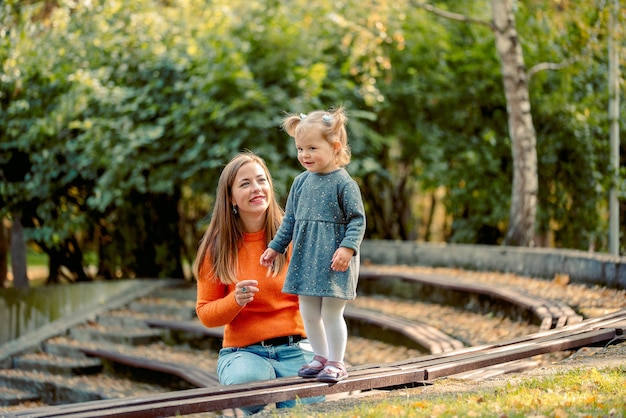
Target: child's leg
(335, 326)
(311, 311)
(337, 336)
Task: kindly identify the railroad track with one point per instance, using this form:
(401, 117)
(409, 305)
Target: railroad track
(592, 332)
(561, 329)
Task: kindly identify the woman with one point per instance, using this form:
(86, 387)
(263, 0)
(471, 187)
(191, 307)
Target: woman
(263, 330)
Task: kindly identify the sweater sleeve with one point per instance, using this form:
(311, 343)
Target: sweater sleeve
(271, 314)
(215, 303)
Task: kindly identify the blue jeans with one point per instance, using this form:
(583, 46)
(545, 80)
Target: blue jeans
(256, 362)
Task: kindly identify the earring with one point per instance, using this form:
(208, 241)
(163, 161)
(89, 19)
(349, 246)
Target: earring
(234, 209)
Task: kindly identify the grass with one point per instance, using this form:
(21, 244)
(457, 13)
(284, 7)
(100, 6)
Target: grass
(579, 392)
(36, 257)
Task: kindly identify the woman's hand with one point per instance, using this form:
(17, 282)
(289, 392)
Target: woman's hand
(245, 291)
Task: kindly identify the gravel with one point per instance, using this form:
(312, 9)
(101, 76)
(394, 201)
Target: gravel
(472, 329)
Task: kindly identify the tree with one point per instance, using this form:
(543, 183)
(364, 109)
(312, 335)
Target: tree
(521, 230)
(523, 209)
(44, 188)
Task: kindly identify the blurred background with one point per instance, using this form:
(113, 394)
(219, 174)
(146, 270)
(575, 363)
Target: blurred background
(475, 122)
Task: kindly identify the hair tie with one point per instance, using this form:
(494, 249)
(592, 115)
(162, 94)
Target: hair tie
(302, 116)
(327, 119)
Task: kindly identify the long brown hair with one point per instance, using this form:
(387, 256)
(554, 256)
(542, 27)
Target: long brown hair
(224, 235)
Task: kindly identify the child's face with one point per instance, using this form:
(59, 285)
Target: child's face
(315, 153)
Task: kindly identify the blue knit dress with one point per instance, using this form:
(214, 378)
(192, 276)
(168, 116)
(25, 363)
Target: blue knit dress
(324, 211)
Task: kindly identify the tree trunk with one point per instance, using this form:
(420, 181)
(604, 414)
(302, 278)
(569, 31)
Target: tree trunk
(148, 234)
(18, 253)
(107, 266)
(389, 211)
(67, 254)
(4, 253)
(523, 210)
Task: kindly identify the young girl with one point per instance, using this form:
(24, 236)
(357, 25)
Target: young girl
(325, 219)
(263, 329)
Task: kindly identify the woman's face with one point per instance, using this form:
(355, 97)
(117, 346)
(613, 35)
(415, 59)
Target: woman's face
(251, 191)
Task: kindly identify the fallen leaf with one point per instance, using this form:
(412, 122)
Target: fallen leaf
(561, 279)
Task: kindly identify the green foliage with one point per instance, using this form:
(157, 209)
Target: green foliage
(110, 109)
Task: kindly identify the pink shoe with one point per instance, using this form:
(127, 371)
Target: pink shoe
(333, 372)
(308, 370)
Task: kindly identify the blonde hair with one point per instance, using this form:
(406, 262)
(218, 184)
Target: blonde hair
(330, 124)
(224, 235)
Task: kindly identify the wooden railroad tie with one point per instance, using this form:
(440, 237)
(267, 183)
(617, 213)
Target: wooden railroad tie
(190, 374)
(548, 313)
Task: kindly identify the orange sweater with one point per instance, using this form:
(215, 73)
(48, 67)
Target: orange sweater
(271, 314)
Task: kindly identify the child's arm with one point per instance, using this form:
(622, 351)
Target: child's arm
(354, 213)
(281, 240)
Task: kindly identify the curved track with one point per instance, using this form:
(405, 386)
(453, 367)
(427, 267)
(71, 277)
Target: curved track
(561, 328)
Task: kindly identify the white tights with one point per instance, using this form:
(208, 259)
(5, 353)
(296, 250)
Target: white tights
(325, 326)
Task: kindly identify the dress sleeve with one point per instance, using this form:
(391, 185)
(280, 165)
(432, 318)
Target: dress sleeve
(215, 304)
(354, 212)
(284, 235)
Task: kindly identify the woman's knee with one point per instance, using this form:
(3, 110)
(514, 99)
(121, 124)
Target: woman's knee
(242, 367)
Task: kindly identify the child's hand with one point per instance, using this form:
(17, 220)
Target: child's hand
(268, 256)
(341, 259)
